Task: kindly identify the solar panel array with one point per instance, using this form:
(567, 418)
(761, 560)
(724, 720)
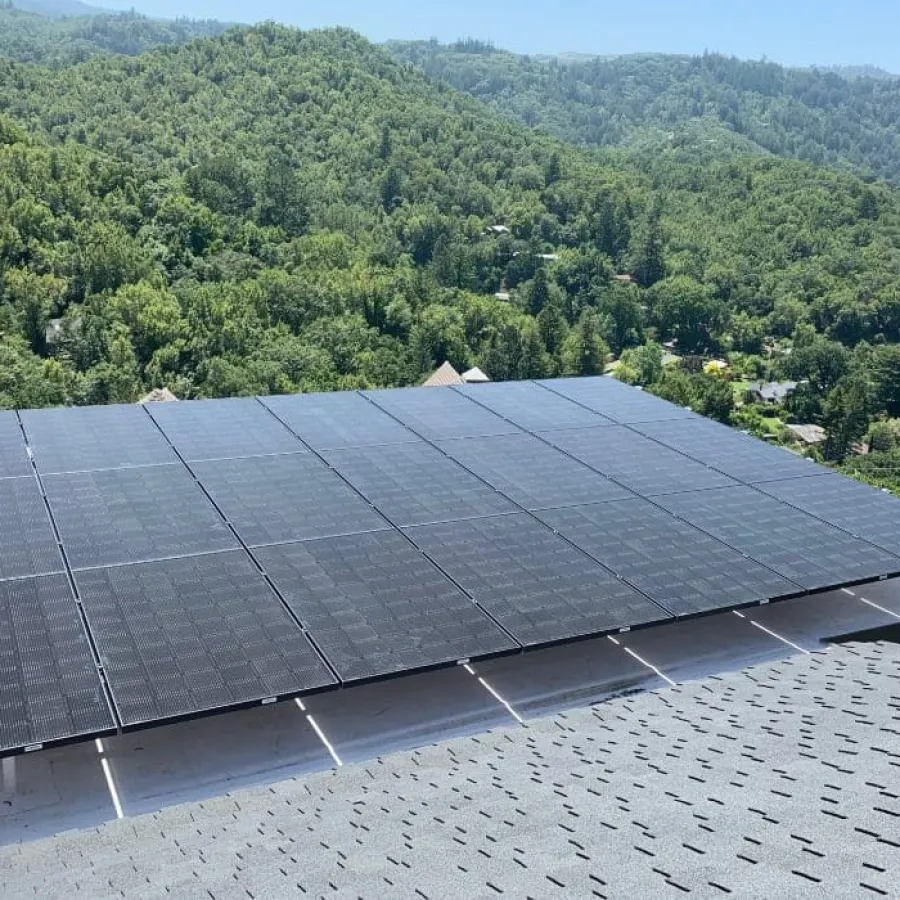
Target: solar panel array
(178, 559)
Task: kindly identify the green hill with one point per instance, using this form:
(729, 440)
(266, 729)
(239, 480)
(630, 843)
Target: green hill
(808, 114)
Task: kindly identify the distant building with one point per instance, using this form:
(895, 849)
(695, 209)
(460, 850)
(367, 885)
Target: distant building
(159, 395)
(624, 278)
(548, 257)
(773, 392)
(446, 375)
(496, 230)
(502, 295)
(809, 434)
(475, 376)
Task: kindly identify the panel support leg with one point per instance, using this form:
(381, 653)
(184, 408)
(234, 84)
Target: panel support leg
(9, 775)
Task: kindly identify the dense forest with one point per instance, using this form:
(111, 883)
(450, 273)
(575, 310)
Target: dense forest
(272, 210)
(711, 102)
(29, 37)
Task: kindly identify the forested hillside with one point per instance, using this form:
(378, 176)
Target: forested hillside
(713, 102)
(274, 210)
(29, 37)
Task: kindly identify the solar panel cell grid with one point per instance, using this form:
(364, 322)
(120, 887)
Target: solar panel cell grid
(681, 568)
(742, 457)
(27, 543)
(414, 484)
(531, 473)
(854, 507)
(616, 401)
(535, 584)
(531, 406)
(129, 515)
(436, 414)
(803, 549)
(276, 499)
(636, 462)
(376, 606)
(50, 689)
(183, 636)
(334, 421)
(219, 429)
(13, 455)
(94, 437)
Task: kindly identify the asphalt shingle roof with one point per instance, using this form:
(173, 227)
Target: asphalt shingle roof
(781, 780)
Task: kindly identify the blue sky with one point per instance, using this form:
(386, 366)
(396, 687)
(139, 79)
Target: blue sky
(794, 32)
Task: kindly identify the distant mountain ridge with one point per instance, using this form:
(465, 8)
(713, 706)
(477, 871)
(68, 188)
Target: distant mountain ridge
(58, 9)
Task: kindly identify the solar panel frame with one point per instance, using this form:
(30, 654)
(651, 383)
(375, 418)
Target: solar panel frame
(729, 451)
(638, 463)
(619, 402)
(338, 420)
(804, 549)
(223, 429)
(28, 544)
(14, 460)
(50, 688)
(285, 498)
(88, 438)
(115, 516)
(531, 472)
(376, 606)
(540, 588)
(415, 484)
(531, 407)
(872, 515)
(436, 414)
(680, 567)
(183, 637)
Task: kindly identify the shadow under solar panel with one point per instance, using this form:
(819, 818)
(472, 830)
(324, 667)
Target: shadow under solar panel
(131, 515)
(221, 429)
(436, 414)
(338, 420)
(531, 406)
(615, 400)
(376, 606)
(536, 585)
(50, 689)
(27, 543)
(94, 437)
(179, 637)
(854, 507)
(14, 459)
(683, 569)
(638, 463)
(532, 473)
(804, 549)
(277, 499)
(413, 484)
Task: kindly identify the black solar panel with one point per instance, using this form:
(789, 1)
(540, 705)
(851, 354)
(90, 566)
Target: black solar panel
(536, 585)
(854, 507)
(337, 420)
(686, 571)
(803, 549)
(742, 457)
(50, 689)
(275, 499)
(182, 636)
(437, 414)
(131, 515)
(635, 461)
(94, 437)
(13, 456)
(27, 542)
(219, 429)
(376, 606)
(532, 473)
(531, 406)
(413, 484)
(615, 400)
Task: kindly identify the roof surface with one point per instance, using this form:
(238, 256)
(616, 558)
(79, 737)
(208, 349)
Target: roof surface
(780, 780)
(445, 374)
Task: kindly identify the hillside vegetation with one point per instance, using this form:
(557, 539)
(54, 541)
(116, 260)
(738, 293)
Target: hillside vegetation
(273, 210)
(709, 102)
